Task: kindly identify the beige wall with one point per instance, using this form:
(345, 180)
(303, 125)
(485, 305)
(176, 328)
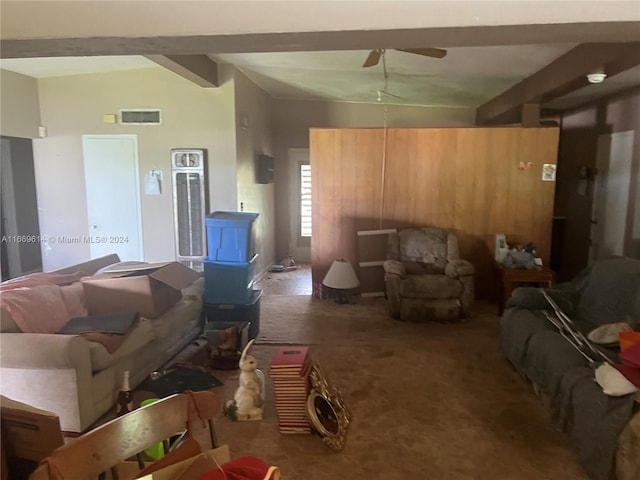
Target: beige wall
(254, 104)
(292, 120)
(74, 105)
(19, 109)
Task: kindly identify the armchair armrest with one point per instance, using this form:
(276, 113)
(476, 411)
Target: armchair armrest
(394, 272)
(458, 268)
(394, 267)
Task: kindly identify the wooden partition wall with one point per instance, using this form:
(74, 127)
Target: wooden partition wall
(470, 180)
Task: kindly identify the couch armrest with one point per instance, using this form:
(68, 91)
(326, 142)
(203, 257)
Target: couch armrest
(394, 267)
(49, 371)
(627, 463)
(531, 298)
(458, 268)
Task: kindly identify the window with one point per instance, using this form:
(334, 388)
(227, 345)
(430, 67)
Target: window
(305, 200)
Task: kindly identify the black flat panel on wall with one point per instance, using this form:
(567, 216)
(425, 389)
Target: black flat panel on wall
(265, 169)
(19, 229)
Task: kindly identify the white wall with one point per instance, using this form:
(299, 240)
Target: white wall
(22, 19)
(19, 108)
(74, 105)
(254, 104)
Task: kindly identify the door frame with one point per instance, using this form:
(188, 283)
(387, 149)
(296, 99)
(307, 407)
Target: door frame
(298, 250)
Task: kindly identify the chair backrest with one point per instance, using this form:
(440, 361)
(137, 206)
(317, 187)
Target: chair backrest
(98, 450)
(432, 248)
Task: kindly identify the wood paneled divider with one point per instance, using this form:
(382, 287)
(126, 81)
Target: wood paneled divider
(465, 179)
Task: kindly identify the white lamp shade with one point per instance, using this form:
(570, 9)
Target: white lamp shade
(341, 276)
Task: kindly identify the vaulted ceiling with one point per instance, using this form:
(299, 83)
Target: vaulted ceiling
(509, 60)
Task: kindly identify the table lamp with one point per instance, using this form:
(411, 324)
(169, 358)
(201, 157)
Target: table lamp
(341, 278)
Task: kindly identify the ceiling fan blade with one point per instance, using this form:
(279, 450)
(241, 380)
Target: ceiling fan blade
(373, 58)
(427, 52)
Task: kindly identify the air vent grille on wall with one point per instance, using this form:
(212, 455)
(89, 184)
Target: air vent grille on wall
(141, 117)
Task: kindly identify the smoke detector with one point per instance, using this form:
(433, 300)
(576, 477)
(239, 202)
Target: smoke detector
(596, 77)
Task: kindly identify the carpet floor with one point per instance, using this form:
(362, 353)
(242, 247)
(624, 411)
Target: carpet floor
(429, 401)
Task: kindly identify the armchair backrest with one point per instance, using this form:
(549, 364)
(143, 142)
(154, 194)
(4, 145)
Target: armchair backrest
(423, 250)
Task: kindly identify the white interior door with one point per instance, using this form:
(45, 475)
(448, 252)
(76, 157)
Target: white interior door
(611, 194)
(113, 195)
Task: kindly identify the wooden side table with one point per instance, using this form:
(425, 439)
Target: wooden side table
(510, 278)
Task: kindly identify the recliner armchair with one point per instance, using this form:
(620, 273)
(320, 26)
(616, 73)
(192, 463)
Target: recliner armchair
(425, 278)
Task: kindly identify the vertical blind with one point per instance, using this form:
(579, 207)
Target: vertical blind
(305, 200)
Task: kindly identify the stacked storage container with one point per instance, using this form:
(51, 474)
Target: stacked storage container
(229, 270)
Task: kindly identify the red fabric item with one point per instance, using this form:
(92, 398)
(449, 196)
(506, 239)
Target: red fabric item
(631, 356)
(630, 373)
(241, 468)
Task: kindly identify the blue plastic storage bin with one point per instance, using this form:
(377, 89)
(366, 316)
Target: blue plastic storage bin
(231, 236)
(220, 315)
(228, 282)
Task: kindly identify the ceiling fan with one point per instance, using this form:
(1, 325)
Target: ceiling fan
(375, 55)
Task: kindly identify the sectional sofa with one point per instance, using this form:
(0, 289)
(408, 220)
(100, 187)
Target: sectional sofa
(79, 379)
(604, 430)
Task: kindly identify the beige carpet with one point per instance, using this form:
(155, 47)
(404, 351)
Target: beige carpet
(429, 401)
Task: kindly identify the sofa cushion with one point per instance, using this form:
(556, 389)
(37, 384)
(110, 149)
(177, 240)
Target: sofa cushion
(141, 335)
(7, 323)
(611, 293)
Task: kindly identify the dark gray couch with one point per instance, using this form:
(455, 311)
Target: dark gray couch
(606, 292)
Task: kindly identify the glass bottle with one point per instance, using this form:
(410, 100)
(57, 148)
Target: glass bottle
(125, 397)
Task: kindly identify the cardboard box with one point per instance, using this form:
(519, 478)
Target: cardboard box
(28, 435)
(147, 288)
(217, 334)
(190, 469)
(194, 467)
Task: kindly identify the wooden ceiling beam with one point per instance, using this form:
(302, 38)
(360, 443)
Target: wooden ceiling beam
(198, 69)
(441, 37)
(560, 77)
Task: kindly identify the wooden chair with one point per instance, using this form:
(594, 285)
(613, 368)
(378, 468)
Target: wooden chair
(103, 448)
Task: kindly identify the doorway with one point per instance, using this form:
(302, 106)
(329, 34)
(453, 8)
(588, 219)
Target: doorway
(300, 204)
(19, 231)
(113, 195)
(611, 195)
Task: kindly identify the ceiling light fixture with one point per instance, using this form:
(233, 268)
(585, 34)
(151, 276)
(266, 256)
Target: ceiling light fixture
(596, 77)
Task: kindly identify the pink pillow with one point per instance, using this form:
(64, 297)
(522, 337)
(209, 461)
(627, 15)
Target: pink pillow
(39, 309)
(73, 297)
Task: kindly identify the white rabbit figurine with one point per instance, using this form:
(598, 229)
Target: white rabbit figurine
(247, 401)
